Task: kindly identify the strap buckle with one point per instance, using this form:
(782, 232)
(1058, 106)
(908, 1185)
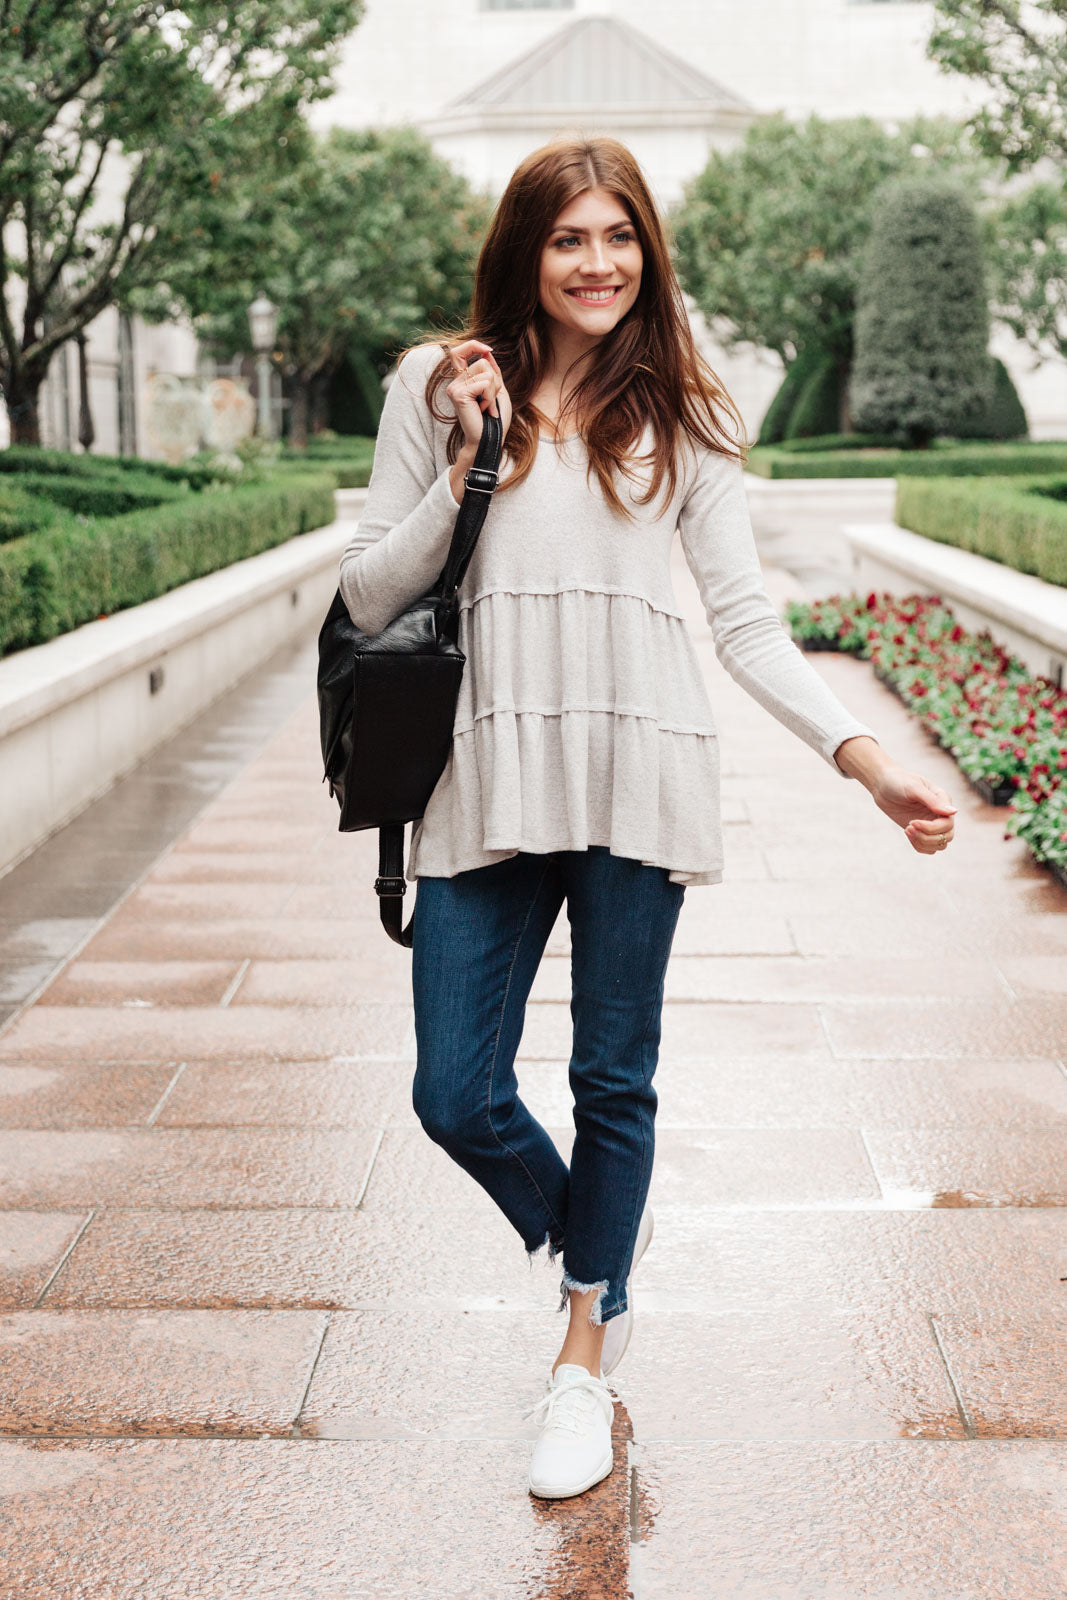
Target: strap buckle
(387, 886)
(481, 479)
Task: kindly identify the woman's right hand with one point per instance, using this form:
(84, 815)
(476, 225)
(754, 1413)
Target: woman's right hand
(477, 387)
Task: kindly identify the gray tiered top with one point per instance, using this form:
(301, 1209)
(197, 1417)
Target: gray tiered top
(583, 715)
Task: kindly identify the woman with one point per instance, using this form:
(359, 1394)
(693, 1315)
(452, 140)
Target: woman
(584, 765)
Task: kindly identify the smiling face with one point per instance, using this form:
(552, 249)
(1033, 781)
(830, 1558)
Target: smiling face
(590, 266)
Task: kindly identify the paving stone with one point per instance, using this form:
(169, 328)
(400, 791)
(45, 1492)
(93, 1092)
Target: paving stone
(155, 901)
(1010, 1371)
(293, 1520)
(882, 1520)
(161, 1372)
(100, 1033)
(812, 1375)
(327, 982)
(893, 1260)
(77, 1096)
(831, 1094)
(305, 1258)
(975, 1167)
(801, 1372)
(739, 1167)
(1032, 1026)
(712, 1032)
(467, 1374)
(141, 983)
(184, 1167)
(772, 979)
(31, 1247)
(123, 938)
(291, 1094)
(244, 866)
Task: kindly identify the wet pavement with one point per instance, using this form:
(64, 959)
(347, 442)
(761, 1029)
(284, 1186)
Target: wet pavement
(261, 1338)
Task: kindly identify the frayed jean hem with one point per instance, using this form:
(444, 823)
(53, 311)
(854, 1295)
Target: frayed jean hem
(598, 1312)
(554, 1247)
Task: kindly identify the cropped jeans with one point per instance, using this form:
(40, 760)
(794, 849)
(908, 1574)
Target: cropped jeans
(478, 939)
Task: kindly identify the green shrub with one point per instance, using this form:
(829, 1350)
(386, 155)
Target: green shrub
(818, 405)
(101, 496)
(354, 474)
(22, 513)
(63, 576)
(944, 461)
(65, 463)
(1004, 417)
(342, 447)
(922, 315)
(841, 441)
(1020, 522)
(775, 424)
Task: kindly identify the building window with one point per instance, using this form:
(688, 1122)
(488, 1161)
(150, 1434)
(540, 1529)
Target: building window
(125, 390)
(527, 5)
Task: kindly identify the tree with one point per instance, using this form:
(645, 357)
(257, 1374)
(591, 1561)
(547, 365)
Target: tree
(121, 128)
(1019, 52)
(1027, 252)
(770, 234)
(367, 241)
(922, 318)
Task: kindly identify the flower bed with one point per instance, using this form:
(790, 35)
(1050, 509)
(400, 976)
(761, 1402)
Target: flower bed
(1006, 729)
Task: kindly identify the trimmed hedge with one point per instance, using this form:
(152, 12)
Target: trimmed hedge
(346, 474)
(101, 496)
(840, 441)
(33, 459)
(22, 513)
(1021, 523)
(74, 571)
(944, 461)
(345, 447)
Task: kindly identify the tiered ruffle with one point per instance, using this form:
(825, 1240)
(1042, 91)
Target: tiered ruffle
(582, 719)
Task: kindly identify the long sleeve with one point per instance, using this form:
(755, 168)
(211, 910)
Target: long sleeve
(749, 638)
(401, 543)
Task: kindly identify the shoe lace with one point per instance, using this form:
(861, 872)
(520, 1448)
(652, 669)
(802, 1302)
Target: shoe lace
(569, 1409)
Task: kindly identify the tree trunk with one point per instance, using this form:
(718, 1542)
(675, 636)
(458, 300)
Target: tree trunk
(298, 414)
(320, 402)
(844, 419)
(86, 430)
(21, 395)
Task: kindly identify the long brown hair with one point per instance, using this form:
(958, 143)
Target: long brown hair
(647, 369)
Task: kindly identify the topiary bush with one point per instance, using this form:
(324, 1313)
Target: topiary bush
(922, 316)
(776, 421)
(1004, 417)
(818, 405)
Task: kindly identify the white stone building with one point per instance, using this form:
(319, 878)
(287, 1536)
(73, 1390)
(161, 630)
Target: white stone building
(490, 80)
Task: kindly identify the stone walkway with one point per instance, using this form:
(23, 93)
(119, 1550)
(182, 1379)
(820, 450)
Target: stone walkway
(262, 1339)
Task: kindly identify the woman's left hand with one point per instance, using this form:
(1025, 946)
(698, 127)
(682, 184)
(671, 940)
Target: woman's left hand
(924, 811)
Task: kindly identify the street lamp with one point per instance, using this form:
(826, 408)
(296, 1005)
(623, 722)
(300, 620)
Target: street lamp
(263, 321)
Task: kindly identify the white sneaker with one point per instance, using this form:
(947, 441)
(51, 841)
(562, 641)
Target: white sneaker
(574, 1448)
(617, 1332)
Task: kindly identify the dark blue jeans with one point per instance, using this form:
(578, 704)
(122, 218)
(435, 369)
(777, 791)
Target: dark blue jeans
(478, 939)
